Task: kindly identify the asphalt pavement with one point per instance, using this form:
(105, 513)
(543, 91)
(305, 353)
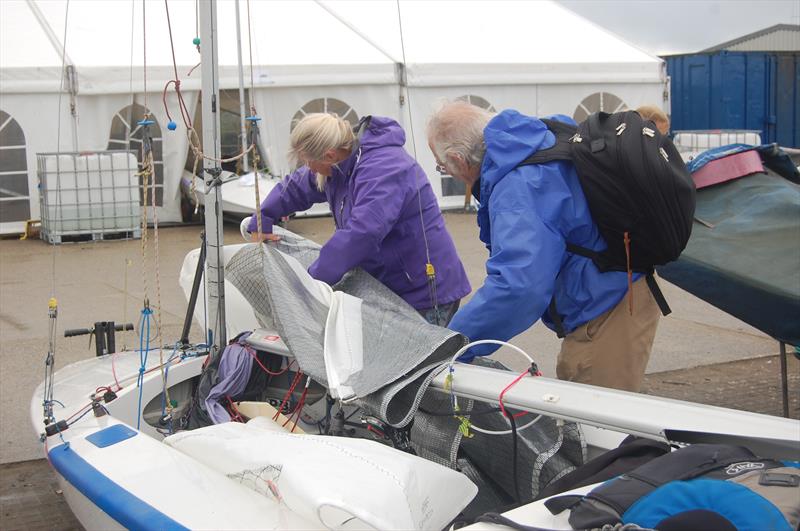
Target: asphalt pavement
(103, 280)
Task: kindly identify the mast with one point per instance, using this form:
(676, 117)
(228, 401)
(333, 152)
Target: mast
(242, 105)
(212, 169)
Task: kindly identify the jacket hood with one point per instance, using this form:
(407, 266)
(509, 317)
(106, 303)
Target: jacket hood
(382, 132)
(510, 138)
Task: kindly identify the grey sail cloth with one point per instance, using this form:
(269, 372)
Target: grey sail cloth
(399, 349)
(402, 354)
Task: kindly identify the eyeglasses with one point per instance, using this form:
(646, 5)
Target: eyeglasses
(442, 170)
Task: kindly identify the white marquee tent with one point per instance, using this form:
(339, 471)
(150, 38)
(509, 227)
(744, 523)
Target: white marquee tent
(339, 56)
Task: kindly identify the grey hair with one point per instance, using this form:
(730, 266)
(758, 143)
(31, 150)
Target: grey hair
(316, 134)
(457, 129)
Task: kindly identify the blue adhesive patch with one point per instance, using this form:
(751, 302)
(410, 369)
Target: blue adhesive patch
(112, 499)
(111, 435)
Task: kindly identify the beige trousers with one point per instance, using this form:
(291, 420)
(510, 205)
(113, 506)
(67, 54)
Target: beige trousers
(612, 350)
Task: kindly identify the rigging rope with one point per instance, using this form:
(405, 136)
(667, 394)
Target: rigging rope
(52, 306)
(430, 271)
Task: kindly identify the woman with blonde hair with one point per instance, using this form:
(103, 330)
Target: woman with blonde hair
(388, 221)
(656, 115)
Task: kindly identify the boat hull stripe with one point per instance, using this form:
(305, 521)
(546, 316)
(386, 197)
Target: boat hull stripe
(130, 511)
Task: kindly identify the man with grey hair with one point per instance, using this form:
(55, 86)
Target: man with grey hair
(527, 216)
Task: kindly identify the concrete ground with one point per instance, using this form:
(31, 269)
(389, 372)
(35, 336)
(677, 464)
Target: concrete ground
(701, 354)
(103, 280)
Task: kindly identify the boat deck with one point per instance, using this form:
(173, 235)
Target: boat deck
(30, 500)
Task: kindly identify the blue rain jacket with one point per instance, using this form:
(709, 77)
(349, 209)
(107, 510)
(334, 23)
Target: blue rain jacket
(526, 217)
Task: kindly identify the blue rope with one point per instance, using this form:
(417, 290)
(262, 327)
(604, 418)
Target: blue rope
(145, 321)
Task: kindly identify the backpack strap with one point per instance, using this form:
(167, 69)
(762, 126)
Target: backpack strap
(561, 150)
(558, 323)
(657, 295)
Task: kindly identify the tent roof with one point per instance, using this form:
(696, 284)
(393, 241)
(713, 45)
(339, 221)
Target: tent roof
(308, 42)
(484, 31)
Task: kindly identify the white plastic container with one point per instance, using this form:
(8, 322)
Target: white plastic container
(89, 196)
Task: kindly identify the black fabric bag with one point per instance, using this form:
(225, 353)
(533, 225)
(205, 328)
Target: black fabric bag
(635, 182)
(631, 453)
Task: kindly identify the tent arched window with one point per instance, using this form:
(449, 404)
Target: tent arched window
(329, 105)
(599, 101)
(478, 101)
(14, 193)
(450, 185)
(126, 135)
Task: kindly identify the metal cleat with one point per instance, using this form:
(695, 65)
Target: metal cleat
(664, 154)
(620, 128)
(648, 132)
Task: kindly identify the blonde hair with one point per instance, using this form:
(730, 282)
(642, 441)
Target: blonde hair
(457, 129)
(315, 135)
(656, 115)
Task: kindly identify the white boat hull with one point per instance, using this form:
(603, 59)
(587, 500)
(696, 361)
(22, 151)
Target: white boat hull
(111, 487)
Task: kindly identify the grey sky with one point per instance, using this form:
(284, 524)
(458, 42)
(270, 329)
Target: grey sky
(684, 26)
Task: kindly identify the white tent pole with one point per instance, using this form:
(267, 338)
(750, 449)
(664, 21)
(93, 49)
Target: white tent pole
(246, 160)
(59, 47)
(214, 274)
(355, 30)
(68, 66)
(400, 67)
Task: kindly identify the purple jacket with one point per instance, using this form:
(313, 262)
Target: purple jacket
(375, 197)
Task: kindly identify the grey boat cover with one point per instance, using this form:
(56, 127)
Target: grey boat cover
(744, 253)
(372, 349)
(354, 339)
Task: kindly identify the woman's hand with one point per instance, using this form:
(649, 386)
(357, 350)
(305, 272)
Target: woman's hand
(253, 236)
(265, 237)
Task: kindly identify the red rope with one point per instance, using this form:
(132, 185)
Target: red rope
(288, 394)
(512, 384)
(255, 357)
(297, 410)
(187, 121)
(234, 411)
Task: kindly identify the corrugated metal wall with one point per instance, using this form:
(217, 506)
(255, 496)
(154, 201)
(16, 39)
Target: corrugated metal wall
(738, 90)
(782, 40)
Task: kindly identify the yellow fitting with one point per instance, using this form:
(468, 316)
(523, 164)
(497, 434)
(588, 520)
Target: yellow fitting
(52, 304)
(429, 270)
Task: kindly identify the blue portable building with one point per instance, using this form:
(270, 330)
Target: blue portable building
(724, 88)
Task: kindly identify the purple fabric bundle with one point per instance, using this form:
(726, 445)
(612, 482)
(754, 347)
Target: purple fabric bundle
(234, 373)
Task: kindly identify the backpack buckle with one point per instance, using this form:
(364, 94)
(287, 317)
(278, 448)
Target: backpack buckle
(663, 153)
(646, 131)
(621, 127)
(576, 138)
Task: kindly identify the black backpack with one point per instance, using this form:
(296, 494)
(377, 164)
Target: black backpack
(639, 192)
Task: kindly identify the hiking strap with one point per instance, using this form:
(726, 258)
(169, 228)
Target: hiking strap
(559, 504)
(499, 519)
